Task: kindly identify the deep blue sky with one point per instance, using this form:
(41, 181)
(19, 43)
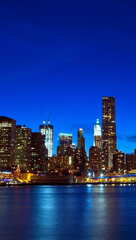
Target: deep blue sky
(58, 58)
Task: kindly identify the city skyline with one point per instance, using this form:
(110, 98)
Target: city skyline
(88, 132)
(67, 119)
(58, 60)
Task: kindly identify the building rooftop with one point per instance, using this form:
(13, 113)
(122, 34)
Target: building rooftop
(3, 118)
(65, 134)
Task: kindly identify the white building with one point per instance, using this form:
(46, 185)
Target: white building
(97, 134)
(47, 130)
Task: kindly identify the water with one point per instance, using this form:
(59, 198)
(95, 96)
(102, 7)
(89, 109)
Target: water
(67, 212)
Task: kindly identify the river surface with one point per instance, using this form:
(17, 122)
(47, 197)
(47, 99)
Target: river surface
(68, 212)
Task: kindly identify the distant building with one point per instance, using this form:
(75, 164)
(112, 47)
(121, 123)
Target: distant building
(71, 157)
(80, 157)
(66, 153)
(108, 130)
(131, 161)
(119, 162)
(95, 160)
(38, 153)
(47, 130)
(23, 148)
(65, 143)
(80, 160)
(7, 142)
(81, 139)
(97, 135)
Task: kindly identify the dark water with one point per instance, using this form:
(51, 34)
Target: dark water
(67, 212)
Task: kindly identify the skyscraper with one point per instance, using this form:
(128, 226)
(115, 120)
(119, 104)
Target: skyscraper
(23, 148)
(81, 139)
(95, 160)
(65, 143)
(46, 130)
(80, 153)
(97, 134)
(108, 129)
(38, 153)
(7, 142)
(65, 153)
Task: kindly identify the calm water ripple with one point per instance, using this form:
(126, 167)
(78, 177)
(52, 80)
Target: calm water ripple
(67, 212)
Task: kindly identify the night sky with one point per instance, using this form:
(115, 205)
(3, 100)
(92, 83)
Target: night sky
(58, 58)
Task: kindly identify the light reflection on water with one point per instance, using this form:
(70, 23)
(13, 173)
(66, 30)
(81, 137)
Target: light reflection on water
(67, 212)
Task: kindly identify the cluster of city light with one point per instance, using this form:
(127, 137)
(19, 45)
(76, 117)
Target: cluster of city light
(130, 178)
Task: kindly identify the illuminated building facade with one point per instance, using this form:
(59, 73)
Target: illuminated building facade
(65, 143)
(80, 154)
(118, 162)
(47, 131)
(95, 160)
(97, 135)
(23, 148)
(38, 153)
(108, 129)
(80, 159)
(66, 153)
(7, 142)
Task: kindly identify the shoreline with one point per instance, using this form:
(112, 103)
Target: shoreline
(69, 184)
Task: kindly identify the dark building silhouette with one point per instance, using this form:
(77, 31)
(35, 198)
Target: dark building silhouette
(23, 148)
(108, 130)
(7, 143)
(39, 153)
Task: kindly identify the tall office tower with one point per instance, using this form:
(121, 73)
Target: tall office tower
(39, 157)
(23, 148)
(47, 131)
(95, 160)
(97, 135)
(108, 130)
(65, 143)
(81, 139)
(7, 142)
(80, 154)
